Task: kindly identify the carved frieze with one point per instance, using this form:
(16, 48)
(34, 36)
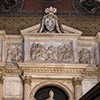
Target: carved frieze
(86, 56)
(64, 53)
(56, 53)
(51, 53)
(37, 52)
(14, 53)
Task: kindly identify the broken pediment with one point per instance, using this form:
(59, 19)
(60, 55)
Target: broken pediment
(50, 24)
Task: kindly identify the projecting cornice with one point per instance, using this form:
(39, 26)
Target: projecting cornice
(52, 65)
(59, 68)
(50, 68)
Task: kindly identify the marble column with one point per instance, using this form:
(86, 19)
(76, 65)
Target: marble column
(77, 83)
(27, 87)
(1, 87)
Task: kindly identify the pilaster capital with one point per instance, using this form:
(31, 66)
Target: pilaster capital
(1, 79)
(27, 79)
(77, 81)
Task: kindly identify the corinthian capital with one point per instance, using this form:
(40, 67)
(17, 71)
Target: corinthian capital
(27, 79)
(77, 81)
(1, 79)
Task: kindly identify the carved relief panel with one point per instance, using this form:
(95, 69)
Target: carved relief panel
(56, 52)
(14, 53)
(12, 49)
(87, 55)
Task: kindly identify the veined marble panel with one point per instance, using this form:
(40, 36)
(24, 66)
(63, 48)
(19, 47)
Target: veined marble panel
(12, 87)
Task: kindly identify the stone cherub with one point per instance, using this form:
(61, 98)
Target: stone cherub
(50, 22)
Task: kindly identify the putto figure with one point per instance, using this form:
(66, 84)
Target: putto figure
(50, 22)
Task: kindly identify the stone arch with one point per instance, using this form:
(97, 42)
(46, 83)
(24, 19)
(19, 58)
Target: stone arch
(56, 84)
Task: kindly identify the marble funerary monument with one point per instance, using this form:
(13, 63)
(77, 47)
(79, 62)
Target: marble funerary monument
(47, 60)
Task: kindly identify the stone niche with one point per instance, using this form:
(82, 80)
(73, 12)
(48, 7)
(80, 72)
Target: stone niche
(48, 54)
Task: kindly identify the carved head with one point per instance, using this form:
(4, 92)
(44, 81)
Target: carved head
(51, 94)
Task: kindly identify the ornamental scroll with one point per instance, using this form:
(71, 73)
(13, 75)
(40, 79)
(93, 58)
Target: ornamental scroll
(53, 53)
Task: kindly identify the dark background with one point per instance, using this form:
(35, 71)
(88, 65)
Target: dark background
(43, 93)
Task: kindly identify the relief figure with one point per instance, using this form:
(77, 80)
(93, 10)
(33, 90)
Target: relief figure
(14, 53)
(86, 56)
(51, 53)
(64, 53)
(37, 52)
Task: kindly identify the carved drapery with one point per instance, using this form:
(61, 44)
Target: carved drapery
(77, 83)
(60, 53)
